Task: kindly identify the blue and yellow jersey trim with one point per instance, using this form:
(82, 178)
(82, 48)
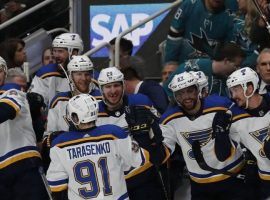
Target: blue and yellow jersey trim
(11, 102)
(171, 117)
(57, 74)
(58, 186)
(264, 175)
(234, 167)
(178, 114)
(144, 165)
(87, 139)
(240, 116)
(48, 71)
(17, 155)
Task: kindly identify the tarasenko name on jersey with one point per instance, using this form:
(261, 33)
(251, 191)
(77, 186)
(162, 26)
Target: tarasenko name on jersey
(108, 21)
(88, 149)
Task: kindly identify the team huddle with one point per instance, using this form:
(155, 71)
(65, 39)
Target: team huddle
(102, 141)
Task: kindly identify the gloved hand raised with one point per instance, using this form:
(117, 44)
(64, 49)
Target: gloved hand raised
(222, 122)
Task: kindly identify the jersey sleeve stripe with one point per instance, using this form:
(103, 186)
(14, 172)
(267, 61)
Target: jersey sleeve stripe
(241, 116)
(171, 117)
(54, 103)
(59, 188)
(50, 74)
(12, 103)
(214, 109)
(234, 167)
(88, 139)
(17, 155)
(264, 175)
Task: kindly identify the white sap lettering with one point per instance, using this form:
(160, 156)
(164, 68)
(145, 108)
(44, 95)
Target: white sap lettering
(99, 29)
(120, 24)
(141, 31)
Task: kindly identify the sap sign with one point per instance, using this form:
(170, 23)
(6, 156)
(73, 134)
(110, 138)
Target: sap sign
(108, 21)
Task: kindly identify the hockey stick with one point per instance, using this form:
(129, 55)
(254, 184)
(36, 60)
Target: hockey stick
(69, 81)
(45, 182)
(196, 148)
(262, 15)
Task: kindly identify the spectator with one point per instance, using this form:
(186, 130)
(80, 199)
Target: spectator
(263, 69)
(227, 58)
(126, 58)
(48, 57)
(167, 70)
(12, 8)
(13, 51)
(135, 84)
(196, 27)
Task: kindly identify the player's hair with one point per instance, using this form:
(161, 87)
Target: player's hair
(130, 74)
(125, 45)
(14, 72)
(228, 50)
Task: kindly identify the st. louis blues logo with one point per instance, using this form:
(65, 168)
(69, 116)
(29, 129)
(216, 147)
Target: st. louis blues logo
(260, 136)
(203, 136)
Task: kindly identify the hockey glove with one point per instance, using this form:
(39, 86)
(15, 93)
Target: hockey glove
(46, 145)
(222, 122)
(139, 120)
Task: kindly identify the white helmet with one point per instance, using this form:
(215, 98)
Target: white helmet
(202, 80)
(84, 107)
(3, 65)
(80, 63)
(183, 80)
(110, 75)
(243, 77)
(70, 41)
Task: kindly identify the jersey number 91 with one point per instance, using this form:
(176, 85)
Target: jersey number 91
(85, 173)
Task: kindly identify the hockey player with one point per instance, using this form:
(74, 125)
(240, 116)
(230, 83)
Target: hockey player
(89, 162)
(202, 82)
(143, 182)
(19, 156)
(197, 24)
(3, 71)
(80, 72)
(51, 79)
(189, 124)
(251, 124)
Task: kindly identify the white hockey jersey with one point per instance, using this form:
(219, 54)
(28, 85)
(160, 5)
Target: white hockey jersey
(90, 163)
(57, 111)
(117, 117)
(17, 137)
(48, 82)
(178, 128)
(252, 131)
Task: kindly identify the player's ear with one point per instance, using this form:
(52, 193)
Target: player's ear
(75, 118)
